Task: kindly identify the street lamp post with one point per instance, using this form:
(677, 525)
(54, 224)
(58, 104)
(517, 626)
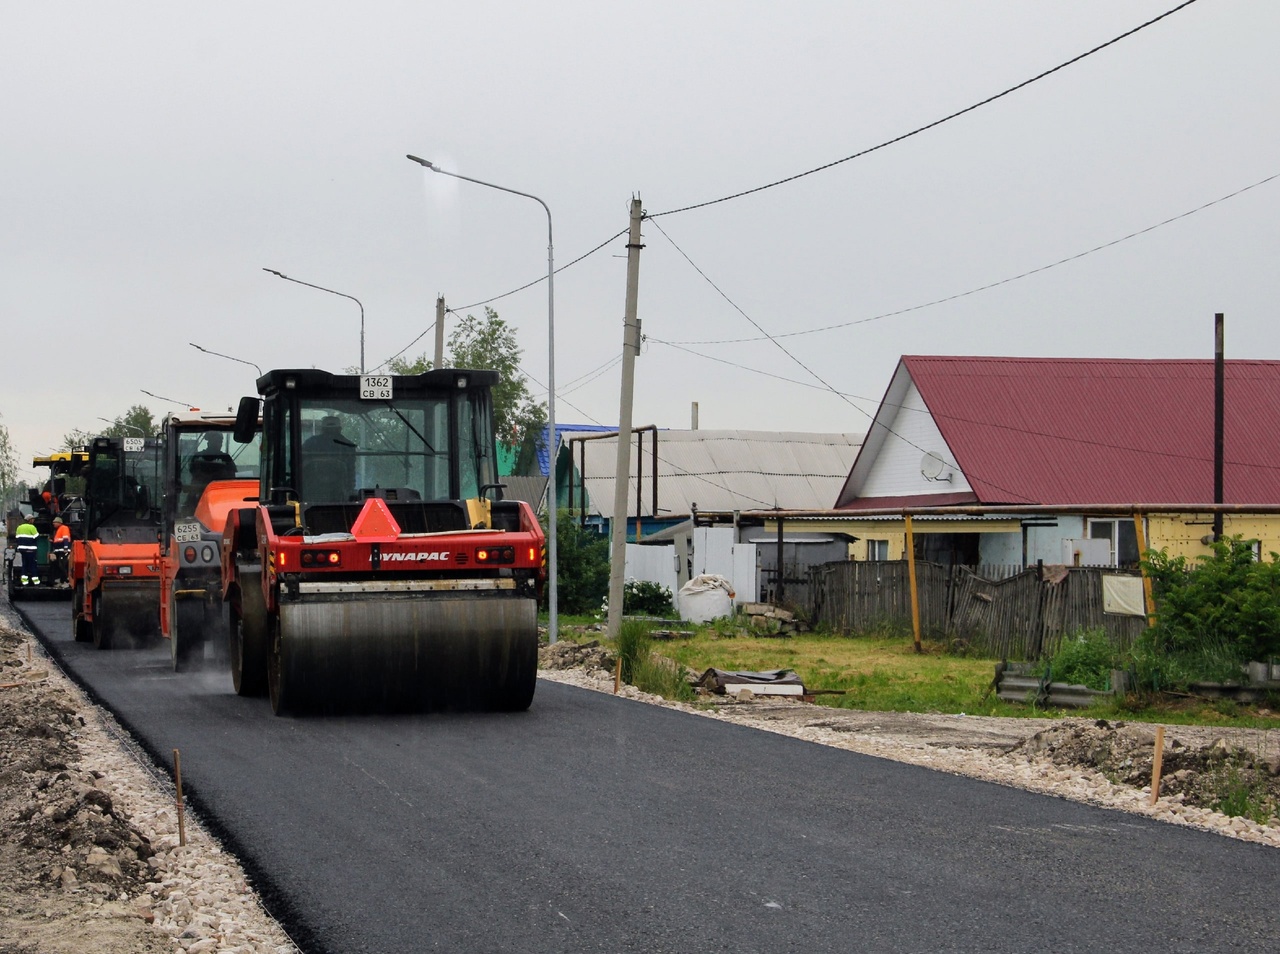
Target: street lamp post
(553, 627)
(131, 427)
(331, 292)
(219, 354)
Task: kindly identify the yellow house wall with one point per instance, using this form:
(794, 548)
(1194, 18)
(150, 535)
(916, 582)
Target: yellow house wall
(1181, 534)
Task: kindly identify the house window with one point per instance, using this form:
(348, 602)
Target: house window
(1122, 537)
(877, 549)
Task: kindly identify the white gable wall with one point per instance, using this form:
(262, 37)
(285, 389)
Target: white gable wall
(896, 469)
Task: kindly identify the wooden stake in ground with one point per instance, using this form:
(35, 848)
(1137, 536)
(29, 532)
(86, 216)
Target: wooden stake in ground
(177, 777)
(617, 676)
(1156, 764)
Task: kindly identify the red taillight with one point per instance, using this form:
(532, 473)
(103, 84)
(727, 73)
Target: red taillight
(311, 558)
(189, 554)
(496, 555)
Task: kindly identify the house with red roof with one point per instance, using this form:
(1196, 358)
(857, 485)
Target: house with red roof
(1066, 432)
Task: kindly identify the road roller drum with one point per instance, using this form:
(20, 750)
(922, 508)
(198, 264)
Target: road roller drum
(404, 653)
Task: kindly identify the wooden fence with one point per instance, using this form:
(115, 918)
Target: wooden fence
(997, 611)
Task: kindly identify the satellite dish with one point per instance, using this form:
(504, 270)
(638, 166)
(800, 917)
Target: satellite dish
(933, 466)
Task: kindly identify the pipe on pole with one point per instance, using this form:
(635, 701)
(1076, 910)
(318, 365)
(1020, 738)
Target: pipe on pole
(1219, 376)
(440, 313)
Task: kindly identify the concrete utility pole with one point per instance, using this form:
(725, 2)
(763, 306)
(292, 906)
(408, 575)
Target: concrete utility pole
(630, 348)
(440, 310)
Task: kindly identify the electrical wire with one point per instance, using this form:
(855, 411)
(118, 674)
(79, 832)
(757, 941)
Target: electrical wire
(817, 377)
(1068, 438)
(936, 122)
(1004, 281)
(477, 304)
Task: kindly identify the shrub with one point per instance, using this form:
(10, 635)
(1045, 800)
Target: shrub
(645, 598)
(582, 562)
(1228, 598)
(1156, 666)
(634, 645)
(1085, 658)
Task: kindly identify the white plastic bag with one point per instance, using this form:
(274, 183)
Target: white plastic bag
(705, 597)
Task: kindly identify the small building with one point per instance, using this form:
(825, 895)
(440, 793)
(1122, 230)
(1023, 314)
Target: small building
(679, 474)
(1092, 433)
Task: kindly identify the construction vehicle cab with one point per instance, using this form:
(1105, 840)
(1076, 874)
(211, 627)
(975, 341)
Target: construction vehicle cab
(206, 475)
(55, 502)
(381, 568)
(116, 561)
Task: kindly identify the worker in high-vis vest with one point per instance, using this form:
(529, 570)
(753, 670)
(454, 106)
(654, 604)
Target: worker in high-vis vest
(61, 548)
(28, 548)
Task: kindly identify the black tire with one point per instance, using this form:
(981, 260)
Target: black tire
(277, 672)
(515, 681)
(81, 628)
(101, 628)
(247, 640)
(186, 633)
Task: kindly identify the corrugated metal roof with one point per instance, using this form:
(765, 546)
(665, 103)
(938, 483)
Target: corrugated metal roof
(532, 490)
(1065, 430)
(726, 470)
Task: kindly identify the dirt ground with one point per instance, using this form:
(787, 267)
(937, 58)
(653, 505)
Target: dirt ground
(79, 873)
(72, 867)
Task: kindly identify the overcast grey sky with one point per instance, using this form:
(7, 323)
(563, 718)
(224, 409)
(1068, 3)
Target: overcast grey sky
(159, 155)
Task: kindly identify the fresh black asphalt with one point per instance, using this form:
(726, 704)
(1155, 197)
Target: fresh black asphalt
(593, 823)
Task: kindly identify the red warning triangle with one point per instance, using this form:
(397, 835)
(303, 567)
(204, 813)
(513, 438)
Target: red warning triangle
(375, 523)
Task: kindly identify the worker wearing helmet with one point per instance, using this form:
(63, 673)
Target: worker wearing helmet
(28, 545)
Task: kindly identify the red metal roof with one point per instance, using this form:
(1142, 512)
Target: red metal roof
(1104, 431)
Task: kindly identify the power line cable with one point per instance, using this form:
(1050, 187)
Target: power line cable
(990, 285)
(817, 377)
(477, 304)
(936, 122)
(1068, 438)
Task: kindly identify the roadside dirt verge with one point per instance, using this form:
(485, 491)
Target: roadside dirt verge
(90, 859)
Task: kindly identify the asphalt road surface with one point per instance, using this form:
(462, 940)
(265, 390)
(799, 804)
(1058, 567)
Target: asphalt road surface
(591, 823)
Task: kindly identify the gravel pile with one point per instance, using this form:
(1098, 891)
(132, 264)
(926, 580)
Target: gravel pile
(89, 845)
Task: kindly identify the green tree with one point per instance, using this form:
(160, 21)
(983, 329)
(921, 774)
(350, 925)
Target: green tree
(489, 342)
(9, 484)
(582, 566)
(135, 422)
(76, 439)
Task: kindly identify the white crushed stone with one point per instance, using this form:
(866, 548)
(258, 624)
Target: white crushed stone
(199, 894)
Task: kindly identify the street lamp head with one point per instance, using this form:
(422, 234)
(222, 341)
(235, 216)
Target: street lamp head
(423, 162)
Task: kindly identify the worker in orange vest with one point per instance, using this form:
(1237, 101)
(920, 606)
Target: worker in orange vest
(61, 548)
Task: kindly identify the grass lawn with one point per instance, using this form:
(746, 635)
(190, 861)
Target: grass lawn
(884, 673)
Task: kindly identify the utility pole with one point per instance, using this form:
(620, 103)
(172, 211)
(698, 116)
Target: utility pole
(630, 348)
(439, 362)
